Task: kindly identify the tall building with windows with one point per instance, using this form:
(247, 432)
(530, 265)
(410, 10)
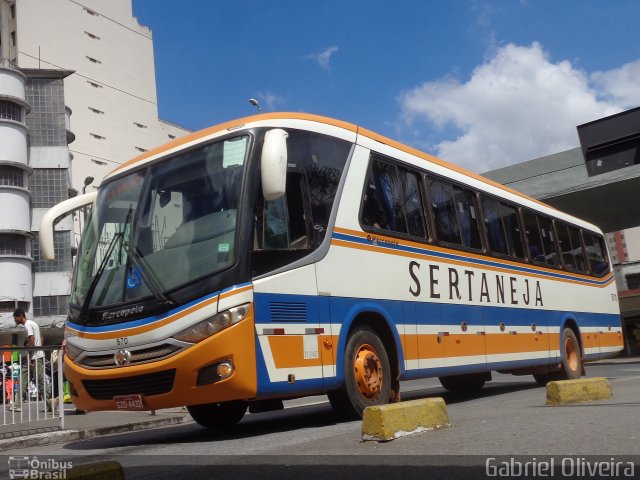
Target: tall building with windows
(99, 66)
(112, 91)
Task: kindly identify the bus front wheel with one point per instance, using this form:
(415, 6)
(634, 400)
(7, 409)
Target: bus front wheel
(367, 375)
(218, 416)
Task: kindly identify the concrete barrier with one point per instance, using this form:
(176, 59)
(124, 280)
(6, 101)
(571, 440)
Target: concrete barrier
(109, 470)
(580, 390)
(386, 422)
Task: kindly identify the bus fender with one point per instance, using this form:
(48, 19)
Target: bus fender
(354, 314)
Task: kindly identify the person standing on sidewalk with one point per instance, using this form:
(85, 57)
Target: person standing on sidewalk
(36, 359)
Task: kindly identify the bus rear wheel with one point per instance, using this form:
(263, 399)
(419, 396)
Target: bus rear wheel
(367, 375)
(218, 416)
(571, 364)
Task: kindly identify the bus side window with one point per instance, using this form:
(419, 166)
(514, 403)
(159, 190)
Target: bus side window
(548, 241)
(532, 233)
(443, 206)
(493, 226)
(596, 253)
(382, 206)
(576, 250)
(512, 230)
(564, 242)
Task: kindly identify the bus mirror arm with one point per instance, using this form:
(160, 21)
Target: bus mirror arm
(273, 164)
(54, 215)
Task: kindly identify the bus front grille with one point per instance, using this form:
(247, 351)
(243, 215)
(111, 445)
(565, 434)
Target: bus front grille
(147, 385)
(157, 352)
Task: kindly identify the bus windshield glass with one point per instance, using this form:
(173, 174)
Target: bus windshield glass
(162, 227)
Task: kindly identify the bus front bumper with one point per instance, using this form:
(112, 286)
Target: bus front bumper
(187, 378)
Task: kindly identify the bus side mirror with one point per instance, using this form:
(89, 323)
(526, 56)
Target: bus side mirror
(273, 164)
(54, 215)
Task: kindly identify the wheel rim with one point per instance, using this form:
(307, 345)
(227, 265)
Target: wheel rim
(368, 371)
(571, 354)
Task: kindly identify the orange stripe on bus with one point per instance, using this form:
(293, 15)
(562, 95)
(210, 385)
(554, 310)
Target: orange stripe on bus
(143, 328)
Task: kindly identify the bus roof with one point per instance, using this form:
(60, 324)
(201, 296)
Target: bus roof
(263, 120)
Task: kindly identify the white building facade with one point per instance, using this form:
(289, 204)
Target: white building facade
(89, 57)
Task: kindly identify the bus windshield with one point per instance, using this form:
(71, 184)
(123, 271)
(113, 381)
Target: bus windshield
(162, 227)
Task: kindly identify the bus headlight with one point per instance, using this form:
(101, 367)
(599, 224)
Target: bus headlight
(198, 332)
(71, 350)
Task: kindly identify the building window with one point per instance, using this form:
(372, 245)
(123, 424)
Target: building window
(10, 111)
(98, 162)
(91, 35)
(48, 187)
(12, 244)
(91, 12)
(97, 137)
(633, 281)
(95, 110)
(94, 84)
(140, 149)
(11, 176)
(11, 305)
(92, 60)
(139, 125)
(53, 305)
(46, 121)
(172, 137)
(61, 249)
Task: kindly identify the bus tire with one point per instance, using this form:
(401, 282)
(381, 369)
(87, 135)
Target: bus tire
(468, 383)
(367, 375)
(571, 363)
(218, 416)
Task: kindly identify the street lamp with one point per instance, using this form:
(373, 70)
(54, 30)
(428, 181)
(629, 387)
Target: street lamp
(87, 181)
(255, 103)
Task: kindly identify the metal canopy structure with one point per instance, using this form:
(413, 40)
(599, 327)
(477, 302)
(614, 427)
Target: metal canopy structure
(598, 182)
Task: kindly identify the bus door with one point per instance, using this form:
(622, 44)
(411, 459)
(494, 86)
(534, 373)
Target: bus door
(293, 340)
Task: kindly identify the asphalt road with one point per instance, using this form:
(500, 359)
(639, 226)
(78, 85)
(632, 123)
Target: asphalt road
(507, 419)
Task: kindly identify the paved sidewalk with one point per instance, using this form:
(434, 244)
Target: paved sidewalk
(79, 426)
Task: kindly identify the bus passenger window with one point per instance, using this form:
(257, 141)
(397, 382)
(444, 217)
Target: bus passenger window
(512, 229)
(596, 253)
(564, 242)
(465, 201)
(443, 207)
(382, 204)
(413, 204)
(576, 250)
(548, 241)
(494, 227)
(534, 241)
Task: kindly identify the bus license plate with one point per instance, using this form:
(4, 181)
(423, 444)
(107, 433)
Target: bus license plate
(129, 402)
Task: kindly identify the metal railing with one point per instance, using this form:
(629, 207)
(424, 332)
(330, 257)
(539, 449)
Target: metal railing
(32, 384)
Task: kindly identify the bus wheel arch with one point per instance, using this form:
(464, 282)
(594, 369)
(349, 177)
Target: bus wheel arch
(371, 368)
(571, 356)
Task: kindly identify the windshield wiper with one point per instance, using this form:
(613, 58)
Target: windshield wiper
(96, 278)
(162, 297)
(103, 264)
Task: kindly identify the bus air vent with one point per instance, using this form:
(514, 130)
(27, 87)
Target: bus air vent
(288, 312)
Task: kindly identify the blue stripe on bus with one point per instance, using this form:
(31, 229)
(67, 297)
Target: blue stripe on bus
(140, 322)
(452, 256)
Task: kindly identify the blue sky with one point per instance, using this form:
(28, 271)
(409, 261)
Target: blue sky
(482, 83)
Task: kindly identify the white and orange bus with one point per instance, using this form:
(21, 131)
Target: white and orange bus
(284, 254)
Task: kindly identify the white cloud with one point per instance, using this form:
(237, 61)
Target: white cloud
(517, 106)
(270, 100)
(324, 58)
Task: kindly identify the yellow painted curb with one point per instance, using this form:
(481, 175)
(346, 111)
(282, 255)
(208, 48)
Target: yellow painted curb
(96, 471)
(580, 390)
(386, 422)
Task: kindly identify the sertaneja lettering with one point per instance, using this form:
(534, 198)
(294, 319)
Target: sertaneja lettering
(482, 288)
